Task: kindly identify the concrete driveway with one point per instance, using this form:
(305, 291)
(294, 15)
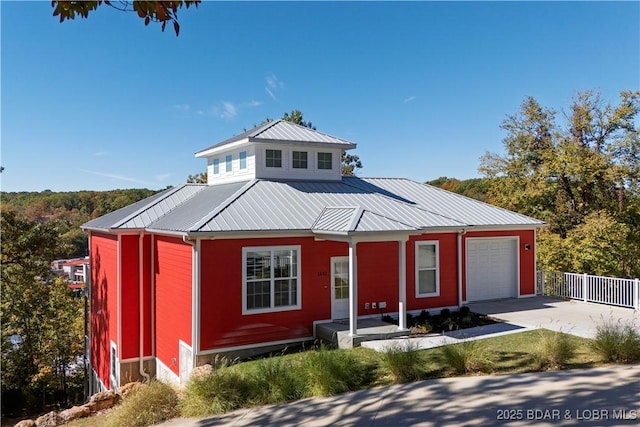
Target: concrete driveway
(572, 317)
(607, 396)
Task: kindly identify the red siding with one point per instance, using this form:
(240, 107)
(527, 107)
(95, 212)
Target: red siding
(448, 260)
(130, 246)
(222, 323)
(104, 299)
(129, 300)
(527, 257)
(378, 276)
(173, 298)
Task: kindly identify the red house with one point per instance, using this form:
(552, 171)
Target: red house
(278, 241)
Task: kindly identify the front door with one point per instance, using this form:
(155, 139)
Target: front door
(340, 287)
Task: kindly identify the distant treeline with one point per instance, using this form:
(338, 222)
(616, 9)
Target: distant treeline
(69, 210)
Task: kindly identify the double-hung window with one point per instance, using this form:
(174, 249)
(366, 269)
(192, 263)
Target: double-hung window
(216, 166)
(325, 161)
(273, 158)
(299, 159)
(229, 161)
(243, 160)
(427, 271)
(271, 279)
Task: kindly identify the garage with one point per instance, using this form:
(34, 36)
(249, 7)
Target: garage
(492, 269)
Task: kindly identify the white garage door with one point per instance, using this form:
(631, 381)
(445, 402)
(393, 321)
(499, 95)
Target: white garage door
(492, 268)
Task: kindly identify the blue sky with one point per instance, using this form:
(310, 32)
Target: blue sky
(421, 87)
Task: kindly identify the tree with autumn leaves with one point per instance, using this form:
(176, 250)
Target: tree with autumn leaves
(42, 324)
(578, 170)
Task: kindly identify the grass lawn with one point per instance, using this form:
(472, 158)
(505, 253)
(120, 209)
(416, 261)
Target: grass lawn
(507, 354)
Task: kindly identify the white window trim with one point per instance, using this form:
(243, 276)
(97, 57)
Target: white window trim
(298, 306)
(266, 159)
(318, 161)
(216, 165)
(242, 157)
(114, 376)
(293, 160)
(228, 163)
(417, 268)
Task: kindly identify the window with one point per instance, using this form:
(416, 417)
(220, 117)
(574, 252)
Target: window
(228, 160)
(274, 158)
(243, 160)
(324, 161)
(299, 160)
(216, 166)
(427, 276)
(114, 365)
(271, 279)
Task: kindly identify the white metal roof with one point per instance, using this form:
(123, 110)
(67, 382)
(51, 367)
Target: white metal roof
(350, 206)
(281, 131)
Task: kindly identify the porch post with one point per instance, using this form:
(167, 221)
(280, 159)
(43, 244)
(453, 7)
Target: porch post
(402, 284)
(353, 289)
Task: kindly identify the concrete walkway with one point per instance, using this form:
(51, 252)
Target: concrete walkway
(572, 317)
(607, 396)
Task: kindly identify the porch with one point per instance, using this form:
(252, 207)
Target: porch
(338, 332)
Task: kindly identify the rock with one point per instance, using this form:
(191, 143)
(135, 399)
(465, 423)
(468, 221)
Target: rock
(26, 423)
(51, 419)
(201, 372)
(102, 400)
(74, 413)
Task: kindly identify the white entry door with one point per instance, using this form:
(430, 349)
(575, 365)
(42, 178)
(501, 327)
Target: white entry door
(340, 287)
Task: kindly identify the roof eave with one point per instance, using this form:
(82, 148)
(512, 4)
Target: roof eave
(208, 152)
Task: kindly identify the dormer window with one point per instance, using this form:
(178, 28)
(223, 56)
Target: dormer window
(324, 161)
(274, 158)
(299, 159)
(216, 166)
(229, 162)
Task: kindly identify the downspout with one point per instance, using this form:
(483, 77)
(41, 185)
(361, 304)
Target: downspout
(146, 376)
(460, 234)
(195, 292)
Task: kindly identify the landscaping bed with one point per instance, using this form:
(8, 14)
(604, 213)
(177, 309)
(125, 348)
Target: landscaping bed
(446, 321)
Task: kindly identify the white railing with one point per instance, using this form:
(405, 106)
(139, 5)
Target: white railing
(589, 288)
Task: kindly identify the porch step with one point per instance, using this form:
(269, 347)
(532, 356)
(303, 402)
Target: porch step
(337, 332)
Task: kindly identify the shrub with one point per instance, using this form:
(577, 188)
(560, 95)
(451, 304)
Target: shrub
(224, 389)
(275, 381)
(329, 372)
(424, 317)
(410, 320)
(555, 350)
(466, 357)
(147, 405)
(465, 311)
(445, 313)
(404, 362)
(617, 341)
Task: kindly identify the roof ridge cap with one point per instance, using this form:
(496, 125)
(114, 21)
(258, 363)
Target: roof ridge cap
(412, 205)
(222, 206)
(148, 206)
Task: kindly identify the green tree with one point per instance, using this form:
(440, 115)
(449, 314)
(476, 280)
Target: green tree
(581, 175)
(160, 12)
(40, 333)
(198, 178)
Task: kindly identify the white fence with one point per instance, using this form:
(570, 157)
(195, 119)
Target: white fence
(588, 288)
